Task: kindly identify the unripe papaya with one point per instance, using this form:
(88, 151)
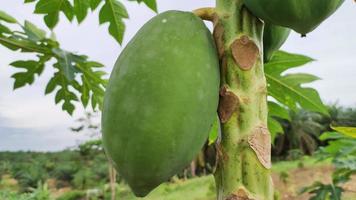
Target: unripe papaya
(161, 100)
(302, 16)
(273, 38)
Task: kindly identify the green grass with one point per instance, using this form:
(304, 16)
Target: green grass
(306, 161)
(194, 189)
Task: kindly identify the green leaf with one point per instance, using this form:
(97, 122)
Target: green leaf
(67, 96)
(33, 32)
(94, 4)
(348, 131)
(288, 89)
(300, 78)
(348, 162)
(52, 8)
(114, 12)
(7, 18)
(85, 95)
(52, 84)
(276, 110)
(274, 127)
(94, 102)
(22, 78)
(66, 62)
(81, 9)
(94, 64)
(330, 136)
(283, 61)
(29, 1)
(4, 29)
(51, 20)
(152, 4)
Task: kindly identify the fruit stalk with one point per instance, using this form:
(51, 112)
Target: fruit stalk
(243, 170)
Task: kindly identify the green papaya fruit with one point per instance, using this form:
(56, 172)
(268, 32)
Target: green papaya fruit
(273, 38)
(161, 100)
(302, 16)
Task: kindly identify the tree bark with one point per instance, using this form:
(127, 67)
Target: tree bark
(244, 153)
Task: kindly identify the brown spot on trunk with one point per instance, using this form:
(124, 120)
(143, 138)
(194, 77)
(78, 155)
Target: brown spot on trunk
(227, 104)
(241, 194)
(220, 159)
(218, 34)
(223, 68)
(245, 52)
(260, 142)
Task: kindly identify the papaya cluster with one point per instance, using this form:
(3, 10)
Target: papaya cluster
(162, 97)
(303, 16)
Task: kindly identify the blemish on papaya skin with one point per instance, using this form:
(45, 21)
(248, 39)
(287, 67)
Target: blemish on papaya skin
(227, 104)
(241, 194)
(260, 142)
(218, 34)
(245, 52)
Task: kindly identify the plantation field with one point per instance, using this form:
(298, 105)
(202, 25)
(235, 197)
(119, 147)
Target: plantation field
(75, 179)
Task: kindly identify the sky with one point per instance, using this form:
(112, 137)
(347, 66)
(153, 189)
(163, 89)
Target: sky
(29, 120)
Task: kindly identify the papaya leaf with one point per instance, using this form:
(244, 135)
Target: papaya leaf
(283, 61)
(4, 29)
(94, 4)
(152, 4)
(52, 8)
(81, 9)
(274, 127)
(65, 95)
(52, 84)
(7, 18)
(288, 89)
(75, 75)
(276, 110)
(114, 12)
(33, 32)
(85, 94)
(330, 136)
(51, 20)
(348, 131)
(27, 77)
(66, 63)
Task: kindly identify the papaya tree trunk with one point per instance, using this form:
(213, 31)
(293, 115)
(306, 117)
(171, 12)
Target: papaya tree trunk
(244, 153)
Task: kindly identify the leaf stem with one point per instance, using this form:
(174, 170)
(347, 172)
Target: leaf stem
(28, 47)
(207, 13)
